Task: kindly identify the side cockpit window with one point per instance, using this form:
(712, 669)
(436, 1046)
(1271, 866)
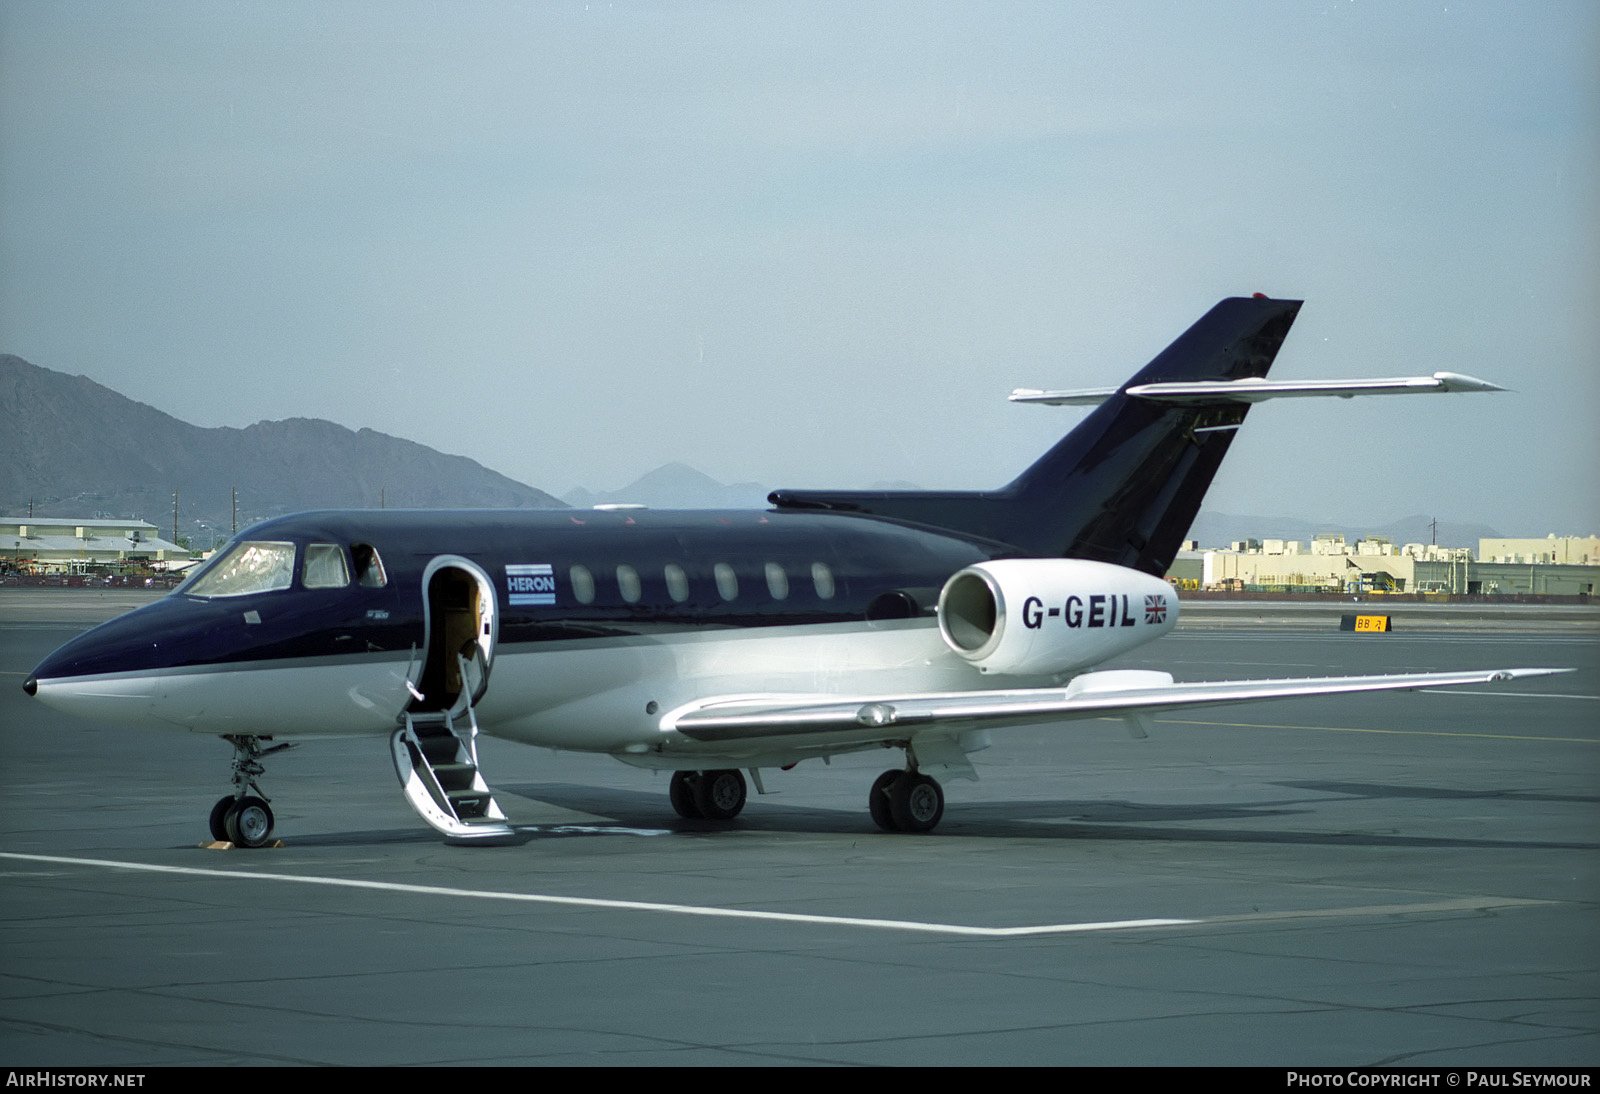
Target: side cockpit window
(369, 567)
(324, 567)
(255, 566)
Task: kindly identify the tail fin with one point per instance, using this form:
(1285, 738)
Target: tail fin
(1124, 486)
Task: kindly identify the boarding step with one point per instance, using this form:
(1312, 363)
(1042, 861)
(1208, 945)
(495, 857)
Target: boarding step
(436, 758)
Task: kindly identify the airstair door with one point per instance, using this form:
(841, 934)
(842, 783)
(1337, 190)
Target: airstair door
(435, 749)
(461, 624)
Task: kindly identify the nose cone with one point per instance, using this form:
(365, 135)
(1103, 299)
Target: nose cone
(117, 669)
(253, 666)
(121, 645)
(172, 631)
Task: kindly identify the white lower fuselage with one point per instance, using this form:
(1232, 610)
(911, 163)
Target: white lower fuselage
(592, 695)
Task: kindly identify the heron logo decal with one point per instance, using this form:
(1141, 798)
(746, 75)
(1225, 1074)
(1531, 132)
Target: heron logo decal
(531, 583)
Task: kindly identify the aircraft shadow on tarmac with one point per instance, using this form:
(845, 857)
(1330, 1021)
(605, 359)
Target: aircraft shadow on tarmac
(600, 810)
(1056, 820)
(1444, 793)
(369, 837)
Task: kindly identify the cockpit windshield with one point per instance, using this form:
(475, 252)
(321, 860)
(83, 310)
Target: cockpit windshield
(255, 566)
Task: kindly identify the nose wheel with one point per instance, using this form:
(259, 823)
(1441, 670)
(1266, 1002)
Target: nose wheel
(243, 818)
(243, 822)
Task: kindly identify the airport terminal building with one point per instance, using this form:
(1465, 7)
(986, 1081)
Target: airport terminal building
(69, 545)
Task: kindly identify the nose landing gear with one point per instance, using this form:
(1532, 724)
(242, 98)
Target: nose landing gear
(243, 817)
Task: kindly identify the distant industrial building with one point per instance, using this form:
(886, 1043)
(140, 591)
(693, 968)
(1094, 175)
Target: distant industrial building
(1564, 550)
(79, 545)
(1554, 566)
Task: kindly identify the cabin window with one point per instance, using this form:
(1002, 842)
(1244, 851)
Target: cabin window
(822, 579)
(677, 582)
(777, 581)
(369, 567)
(727, 581)
(257, 566)
(582, 584)
(628, 583)
(324, 567)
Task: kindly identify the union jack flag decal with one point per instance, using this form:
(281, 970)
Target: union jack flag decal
(1155, 608)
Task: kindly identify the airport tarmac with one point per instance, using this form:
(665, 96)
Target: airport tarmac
(1400, 879)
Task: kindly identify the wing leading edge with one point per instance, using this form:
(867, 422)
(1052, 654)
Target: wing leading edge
(1116, 693)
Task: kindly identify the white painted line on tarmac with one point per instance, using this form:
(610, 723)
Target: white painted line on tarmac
(620, 905)
(959, 930)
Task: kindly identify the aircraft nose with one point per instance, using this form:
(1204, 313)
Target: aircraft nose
(141, 640)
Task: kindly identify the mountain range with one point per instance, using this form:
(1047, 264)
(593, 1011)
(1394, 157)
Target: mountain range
(675, 486)
(72, 447)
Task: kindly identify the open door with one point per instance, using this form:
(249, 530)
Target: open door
(435, 750)
(461, 626)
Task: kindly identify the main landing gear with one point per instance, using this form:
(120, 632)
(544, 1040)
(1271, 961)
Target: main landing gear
(900, 801)
(707, 795)
(244, 818)
(905, 801)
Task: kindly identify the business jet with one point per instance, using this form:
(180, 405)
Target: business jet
(713, 643)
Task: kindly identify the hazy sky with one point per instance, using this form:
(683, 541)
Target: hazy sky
(816, 244)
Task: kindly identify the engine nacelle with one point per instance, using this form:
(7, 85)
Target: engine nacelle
(1042, 616)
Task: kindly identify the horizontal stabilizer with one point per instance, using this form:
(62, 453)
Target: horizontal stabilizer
(1252, 389)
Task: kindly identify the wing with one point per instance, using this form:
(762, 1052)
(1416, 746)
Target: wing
(1128, 693)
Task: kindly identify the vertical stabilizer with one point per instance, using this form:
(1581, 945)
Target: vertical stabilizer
(1125, 484)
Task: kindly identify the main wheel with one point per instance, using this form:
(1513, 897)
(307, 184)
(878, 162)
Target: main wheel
(219, 818)
(681, 792)
(249, 822)
(878, 800)
(916, 803)
(719, 795)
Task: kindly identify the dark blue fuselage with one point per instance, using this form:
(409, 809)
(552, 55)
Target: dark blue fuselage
(828, 569)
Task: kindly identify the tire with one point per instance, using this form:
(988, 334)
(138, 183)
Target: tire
(219, 818)
(878, 800)
(249, 823)
(719, 795)
(681, 793)
(917, 803)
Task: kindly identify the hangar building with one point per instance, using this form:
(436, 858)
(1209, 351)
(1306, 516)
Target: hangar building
(77, 544)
